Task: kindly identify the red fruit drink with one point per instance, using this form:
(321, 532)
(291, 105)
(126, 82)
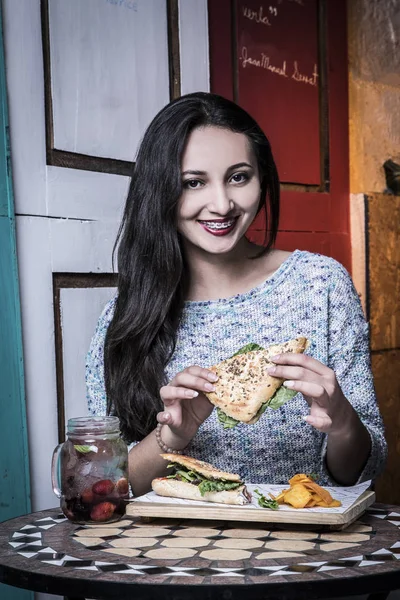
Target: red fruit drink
(93, 468)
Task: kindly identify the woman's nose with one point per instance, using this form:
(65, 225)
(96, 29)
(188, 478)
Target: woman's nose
(220, 202)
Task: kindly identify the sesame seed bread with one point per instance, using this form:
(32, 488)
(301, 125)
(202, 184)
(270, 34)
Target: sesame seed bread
(173, 488)
(201, 467)
(244, 385)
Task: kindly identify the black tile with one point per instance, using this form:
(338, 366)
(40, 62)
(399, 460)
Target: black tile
(97, 547)
(28, 548)
(381, 557)
(343, 563)
(112, 568)
(50, 556)
(24, 540)
(78, 563)
(159, 571)
(303, 568)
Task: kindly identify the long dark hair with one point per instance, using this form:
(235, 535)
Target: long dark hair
(152, 275)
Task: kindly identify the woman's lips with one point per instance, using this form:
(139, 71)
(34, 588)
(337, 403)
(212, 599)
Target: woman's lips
(219, 227)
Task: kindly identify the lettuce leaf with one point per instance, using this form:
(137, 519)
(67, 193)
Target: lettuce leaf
(248, 348)
(205, 485)
(227, 422)
(281, 396)
(184, 473)
(217, 486)
(187, 475)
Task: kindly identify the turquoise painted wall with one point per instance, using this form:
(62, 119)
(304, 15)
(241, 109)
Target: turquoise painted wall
(14, 466)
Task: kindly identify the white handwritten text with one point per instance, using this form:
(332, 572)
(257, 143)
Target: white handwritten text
(131, 4)
(256, 15)
(264, 62)
(301, 78)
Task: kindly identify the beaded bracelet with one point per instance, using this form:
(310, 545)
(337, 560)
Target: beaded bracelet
(163, 446)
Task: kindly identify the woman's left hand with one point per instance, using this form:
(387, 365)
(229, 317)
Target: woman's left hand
(329, 409)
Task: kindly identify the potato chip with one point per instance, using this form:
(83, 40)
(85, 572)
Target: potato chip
(324, 494)
(312, 502)
(305, 493)
(281, 497)
(297, 496)
(299, 478)
(335, 503)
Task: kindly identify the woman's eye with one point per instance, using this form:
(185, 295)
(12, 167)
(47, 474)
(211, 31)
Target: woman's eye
(192, 184)
(239, 177)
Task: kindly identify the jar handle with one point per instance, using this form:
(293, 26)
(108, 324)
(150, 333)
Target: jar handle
(55, 470)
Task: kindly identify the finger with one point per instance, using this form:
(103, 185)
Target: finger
(301, 360)
(296, 373)
(164, 417)
(170, 394)
(172, 418)
(313, 392)
(197, 372)
(321, 422)
(192, 382)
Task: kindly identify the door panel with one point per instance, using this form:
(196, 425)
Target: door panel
(78, 301)
(68, 203)
(99, 51)
(307, 124)
(24, 67)
(193, 41)
(85, 194)
(67, 218)
(276, 46)
(290, 240)
(301, 212)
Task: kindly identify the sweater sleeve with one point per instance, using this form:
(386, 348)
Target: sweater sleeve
(95, 383)
(349, 357)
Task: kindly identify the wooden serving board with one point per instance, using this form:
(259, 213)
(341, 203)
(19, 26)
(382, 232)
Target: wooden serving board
(186, 509)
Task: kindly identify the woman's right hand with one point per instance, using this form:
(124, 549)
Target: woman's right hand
(185, 405)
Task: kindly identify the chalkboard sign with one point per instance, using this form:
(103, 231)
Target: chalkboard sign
(278, 80)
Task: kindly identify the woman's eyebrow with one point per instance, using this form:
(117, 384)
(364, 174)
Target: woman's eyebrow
(239, 166)
(231, 168)
(194, 172)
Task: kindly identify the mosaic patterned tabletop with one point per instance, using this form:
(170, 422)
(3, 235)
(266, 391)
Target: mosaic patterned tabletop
(198, 553)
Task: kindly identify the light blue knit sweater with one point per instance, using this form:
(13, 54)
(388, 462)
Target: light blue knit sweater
(309, 295)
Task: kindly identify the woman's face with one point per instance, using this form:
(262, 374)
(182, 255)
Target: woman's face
(221, 190)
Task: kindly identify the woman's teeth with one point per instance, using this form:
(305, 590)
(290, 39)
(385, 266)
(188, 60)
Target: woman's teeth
(218, 224)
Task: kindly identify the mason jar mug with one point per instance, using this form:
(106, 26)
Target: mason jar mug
(89, 471)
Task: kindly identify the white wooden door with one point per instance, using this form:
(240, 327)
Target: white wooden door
(84, 79)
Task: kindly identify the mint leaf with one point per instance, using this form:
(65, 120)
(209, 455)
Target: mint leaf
(248, 348)
(280, 397)
(266, 502)
(227, 422)
(85, 449)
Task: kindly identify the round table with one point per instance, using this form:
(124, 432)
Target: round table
(179, 560)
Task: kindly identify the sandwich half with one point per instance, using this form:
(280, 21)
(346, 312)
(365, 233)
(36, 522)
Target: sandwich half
(244, 389)
(194, 479)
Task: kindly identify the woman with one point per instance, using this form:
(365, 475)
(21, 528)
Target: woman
(192, 290)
